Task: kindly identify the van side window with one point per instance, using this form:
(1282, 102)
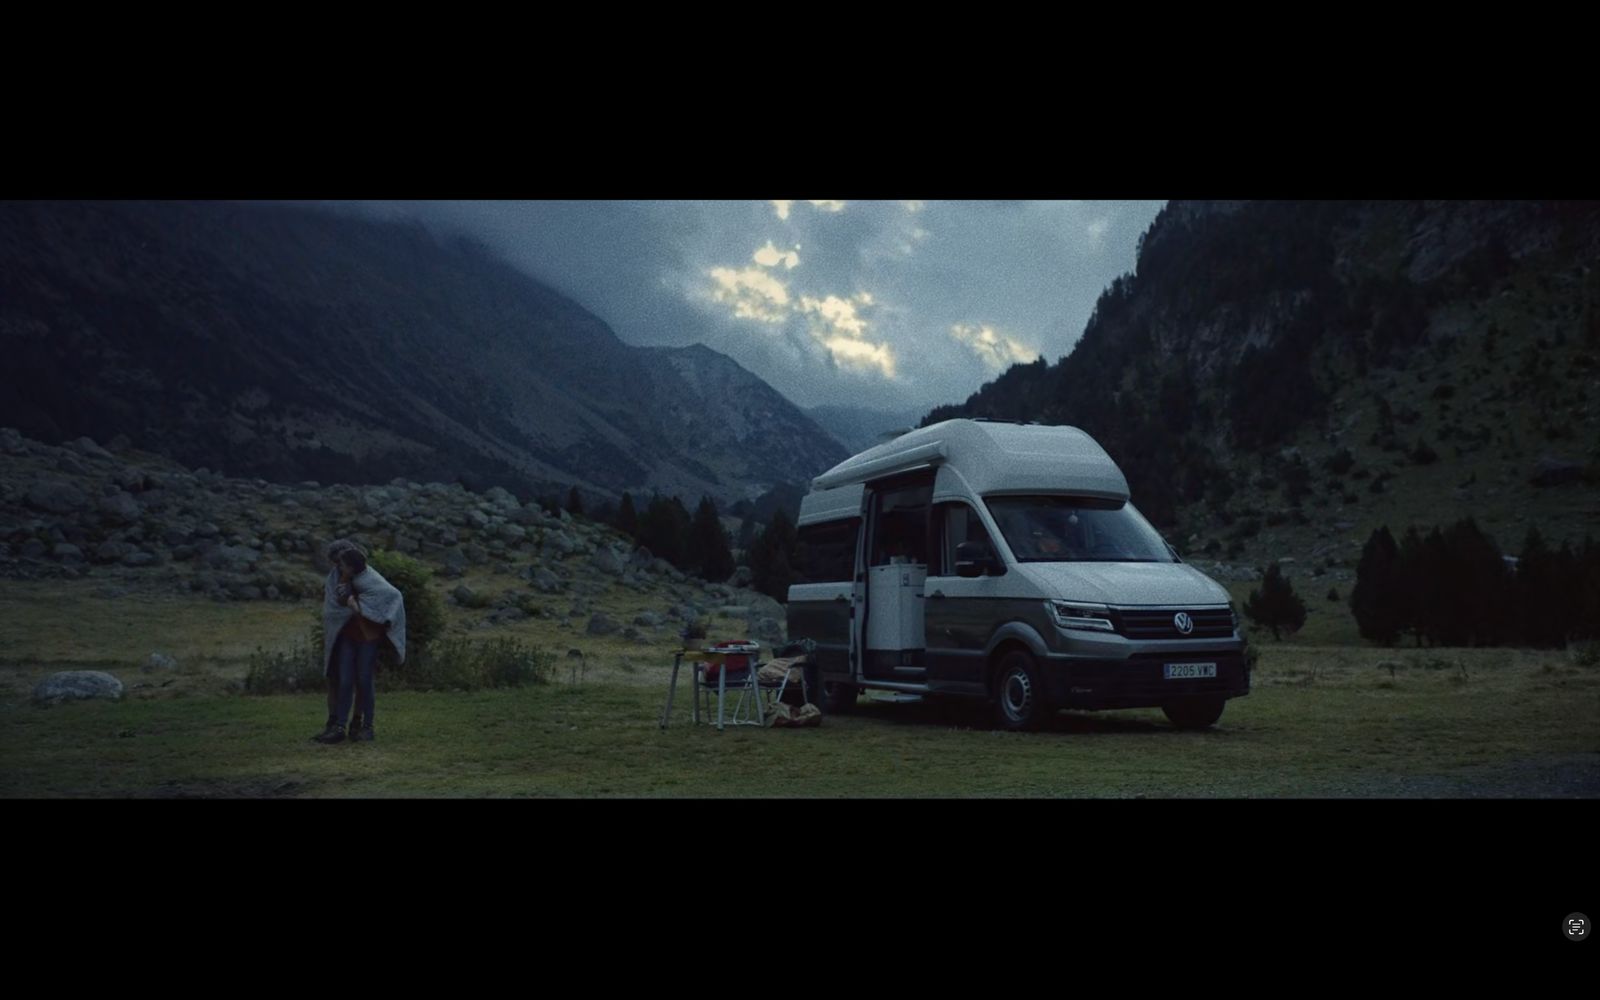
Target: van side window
(956, 522)
(902, 531)
(826, 552)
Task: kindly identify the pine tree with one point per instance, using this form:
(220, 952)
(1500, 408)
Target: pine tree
(1275, 605)
(1376, 600)
(574, 502)
(709, 543)
(772, 558)
(627, 517)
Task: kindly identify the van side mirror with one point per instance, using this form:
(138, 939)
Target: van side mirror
(974, 559)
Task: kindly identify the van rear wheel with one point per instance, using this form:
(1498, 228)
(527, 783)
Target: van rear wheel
(1194, 713)
(1020, 700)
(838, 698)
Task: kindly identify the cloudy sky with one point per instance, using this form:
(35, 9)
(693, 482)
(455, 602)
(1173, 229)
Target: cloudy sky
(897, 304)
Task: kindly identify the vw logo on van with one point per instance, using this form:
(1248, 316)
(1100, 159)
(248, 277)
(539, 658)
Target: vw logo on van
(1182, 622)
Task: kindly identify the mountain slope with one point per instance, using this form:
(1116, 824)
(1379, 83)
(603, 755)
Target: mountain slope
(285, 343)
(1278, 378)
(859, 428)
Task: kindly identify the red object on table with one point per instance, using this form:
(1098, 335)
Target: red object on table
(736, 654)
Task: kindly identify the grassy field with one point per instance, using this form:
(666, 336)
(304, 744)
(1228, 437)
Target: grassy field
(1322, 721)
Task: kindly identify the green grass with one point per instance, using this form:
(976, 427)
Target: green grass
(1320, 722)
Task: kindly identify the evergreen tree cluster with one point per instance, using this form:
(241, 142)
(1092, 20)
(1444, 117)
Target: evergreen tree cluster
(695, 543)
(1275, 605)
(1452, 587)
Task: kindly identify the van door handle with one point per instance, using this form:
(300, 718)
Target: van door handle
(937, 593)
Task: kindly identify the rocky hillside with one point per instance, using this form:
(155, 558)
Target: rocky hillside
(137, 520)
(273, 342)
(1279, 378)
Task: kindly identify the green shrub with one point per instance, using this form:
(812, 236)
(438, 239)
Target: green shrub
(425, 614)
(1585, 654)
(457, 664)
(289, 671)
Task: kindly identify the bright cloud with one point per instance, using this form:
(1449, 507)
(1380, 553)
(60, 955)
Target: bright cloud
(782, 208)
(771, 256)
(752, 292)
(994, 348)
(828, 206)
(838, 315)
(1097, 230)
(853, 353)
(913, 206)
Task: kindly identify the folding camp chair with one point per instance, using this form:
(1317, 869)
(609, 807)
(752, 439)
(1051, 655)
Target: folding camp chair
(797, 661)
(727, 668)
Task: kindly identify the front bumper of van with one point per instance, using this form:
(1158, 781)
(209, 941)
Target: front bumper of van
(1139, 681)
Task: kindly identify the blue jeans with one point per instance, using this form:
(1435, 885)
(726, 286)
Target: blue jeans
(356, 663)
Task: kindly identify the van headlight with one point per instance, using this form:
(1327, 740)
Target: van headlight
(1088, 617)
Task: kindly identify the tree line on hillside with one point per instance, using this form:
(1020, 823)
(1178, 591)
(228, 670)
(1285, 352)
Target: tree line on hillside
(1453, 587)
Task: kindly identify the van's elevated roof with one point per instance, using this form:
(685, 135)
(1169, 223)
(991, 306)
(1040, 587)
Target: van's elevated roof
(992, 457)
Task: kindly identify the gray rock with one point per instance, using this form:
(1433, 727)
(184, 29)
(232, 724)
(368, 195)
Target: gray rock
(109, 551)
(513, 532)
(602, 624)
(140, 558)
(642, 557)
(528, 515)
(56, 497)
(464, 595)
(32, 549)
(1552, 471)
(501, 497)
(77, 685)
(648, 619)
(767, 630)
(67, 552)
(560, 543)
(230, 558)
(208, 530)
(606, 561)
(477, 555)
(477, 518)
(159, 661)
(120, 508)
(547, 581)
(762, 606)
(406, 544)
(448, 537)
(661, 567)
(741, 577)
(86, 446)
(508, 614)
(11, 441)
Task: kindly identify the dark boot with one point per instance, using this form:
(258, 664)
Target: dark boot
(364, 734)
(327, 728)
(333, 734)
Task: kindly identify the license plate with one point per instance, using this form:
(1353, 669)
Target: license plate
(1181, 671)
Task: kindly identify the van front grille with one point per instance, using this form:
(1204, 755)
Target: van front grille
(1144, 623)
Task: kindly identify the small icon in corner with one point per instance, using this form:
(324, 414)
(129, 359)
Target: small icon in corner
(1576, 926)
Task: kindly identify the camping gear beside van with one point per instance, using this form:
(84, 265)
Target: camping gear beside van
(1005, 561)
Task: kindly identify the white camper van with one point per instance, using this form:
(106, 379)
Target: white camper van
(1005, 561)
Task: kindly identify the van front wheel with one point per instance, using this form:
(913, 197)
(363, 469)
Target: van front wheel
(1194, 713)
(1020, 700)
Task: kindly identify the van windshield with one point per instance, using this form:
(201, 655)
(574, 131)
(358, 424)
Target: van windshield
(1076, 529)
